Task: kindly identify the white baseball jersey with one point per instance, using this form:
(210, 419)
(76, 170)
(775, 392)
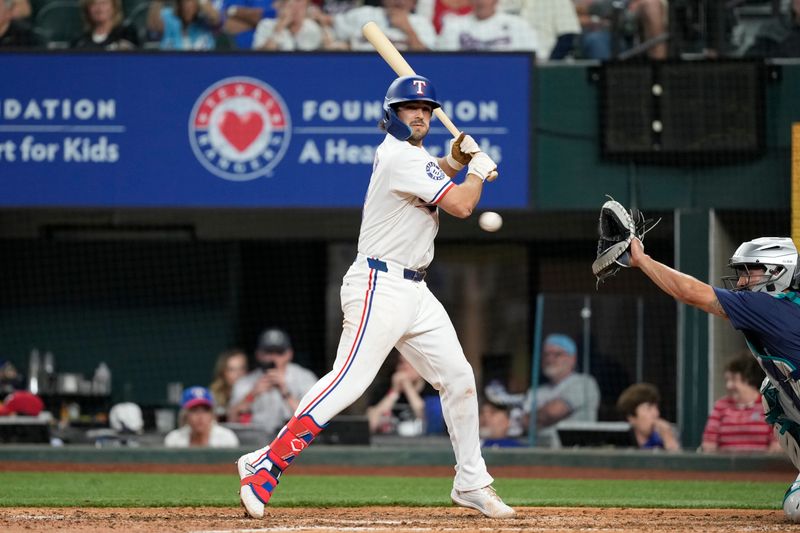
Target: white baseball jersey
(502, 32)
(384, 308)
(308, 38)
(400, 218)
(348, 25)
(220, 437)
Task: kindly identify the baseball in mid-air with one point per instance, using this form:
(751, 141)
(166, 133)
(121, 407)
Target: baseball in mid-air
(490, 221)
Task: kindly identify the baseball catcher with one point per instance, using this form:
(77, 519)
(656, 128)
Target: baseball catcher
(616, 229)
(762, 300)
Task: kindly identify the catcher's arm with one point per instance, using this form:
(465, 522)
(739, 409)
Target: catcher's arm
(680, 286)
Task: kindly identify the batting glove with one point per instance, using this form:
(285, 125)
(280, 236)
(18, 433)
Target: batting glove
(482, 166)
(461, 151)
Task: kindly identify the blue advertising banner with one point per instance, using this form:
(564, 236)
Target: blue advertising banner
(238, 130)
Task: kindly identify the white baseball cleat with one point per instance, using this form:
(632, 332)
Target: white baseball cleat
(484, 500)
(251, 504)
(248, 465)
(791, 501)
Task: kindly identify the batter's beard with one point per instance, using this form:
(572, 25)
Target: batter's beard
(417, 136)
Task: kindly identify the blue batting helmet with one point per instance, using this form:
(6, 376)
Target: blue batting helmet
(406, 89)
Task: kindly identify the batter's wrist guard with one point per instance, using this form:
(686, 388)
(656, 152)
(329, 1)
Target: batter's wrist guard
(455, 165)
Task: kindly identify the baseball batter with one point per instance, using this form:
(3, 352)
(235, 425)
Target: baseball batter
(764, 304)
(386, 302)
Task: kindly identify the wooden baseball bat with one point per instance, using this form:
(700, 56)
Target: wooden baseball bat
(392, 56)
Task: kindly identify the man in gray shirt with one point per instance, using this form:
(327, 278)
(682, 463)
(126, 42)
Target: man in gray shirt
(567, 395)
(267, 396)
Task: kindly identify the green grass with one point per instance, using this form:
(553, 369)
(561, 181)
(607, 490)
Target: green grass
(38, 489)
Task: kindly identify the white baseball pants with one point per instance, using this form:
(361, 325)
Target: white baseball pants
(382, 310)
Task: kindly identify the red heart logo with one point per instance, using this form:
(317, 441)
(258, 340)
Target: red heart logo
(241, 130)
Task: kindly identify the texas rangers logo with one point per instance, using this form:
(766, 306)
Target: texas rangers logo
(239, 129)
(434, 171)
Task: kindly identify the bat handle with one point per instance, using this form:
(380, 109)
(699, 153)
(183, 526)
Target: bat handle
(445, 120)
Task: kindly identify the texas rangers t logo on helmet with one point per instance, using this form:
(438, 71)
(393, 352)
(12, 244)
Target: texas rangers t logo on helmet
(239, 129)
(420, 86)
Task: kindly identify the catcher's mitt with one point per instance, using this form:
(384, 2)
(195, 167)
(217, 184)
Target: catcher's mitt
(617, 228)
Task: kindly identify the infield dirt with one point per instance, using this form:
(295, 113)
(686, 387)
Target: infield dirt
(392, 519)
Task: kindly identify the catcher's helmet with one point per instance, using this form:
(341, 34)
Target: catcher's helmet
(405, 89)
(778, 255)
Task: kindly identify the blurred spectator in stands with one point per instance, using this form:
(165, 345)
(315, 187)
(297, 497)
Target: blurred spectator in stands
(737, 421)
(779, 38)
(556, 25)
(407, 30)
(323, 11)
(629, 19)
(437, 10)
(13, 34)
(105, 28)
(293, 29)
(21, 9)
(334, 7)
(487, 29)
(22, 403)
(10, 378)
(231, 365)
(409, 407)
(495, 392)
(567, 395)
(495, 423)
(241, 18)
(268, 396)
(199, 428)
(638, 404)
(189, 25)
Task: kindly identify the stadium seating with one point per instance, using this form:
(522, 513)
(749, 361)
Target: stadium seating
(137, 18)
(749, 17)
(131, 6)
(223, 42)
(57, 23)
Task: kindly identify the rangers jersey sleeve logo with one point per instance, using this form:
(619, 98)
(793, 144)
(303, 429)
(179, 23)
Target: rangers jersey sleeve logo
(434, 171)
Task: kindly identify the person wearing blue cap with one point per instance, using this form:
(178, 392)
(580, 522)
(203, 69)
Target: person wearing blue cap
(200, 428)
(566, 396)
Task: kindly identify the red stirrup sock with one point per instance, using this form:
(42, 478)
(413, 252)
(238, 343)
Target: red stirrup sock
(295, 436)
